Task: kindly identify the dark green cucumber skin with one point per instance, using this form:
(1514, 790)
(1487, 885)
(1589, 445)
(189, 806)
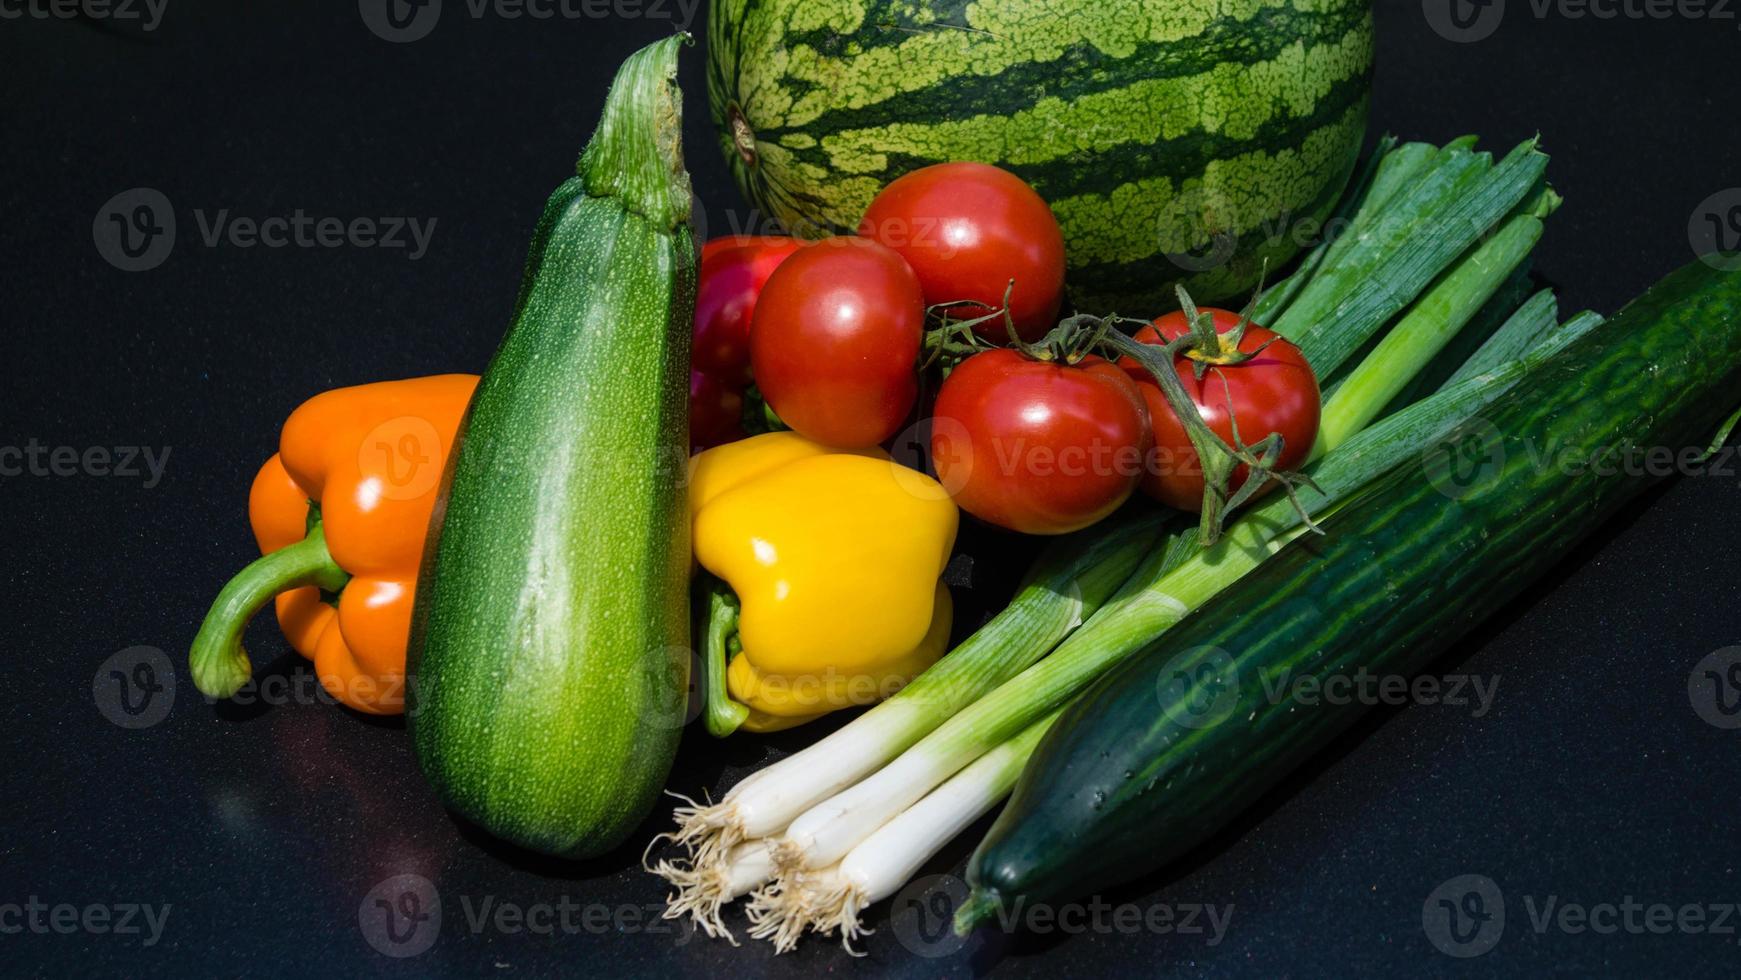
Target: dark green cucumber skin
(1124, 784)
(549, 645)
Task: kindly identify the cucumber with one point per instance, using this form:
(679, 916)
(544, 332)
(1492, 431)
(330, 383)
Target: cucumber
(549, 643)
(1167, 748)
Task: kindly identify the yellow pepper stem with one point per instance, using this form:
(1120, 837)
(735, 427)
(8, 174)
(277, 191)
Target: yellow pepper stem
(723, 715)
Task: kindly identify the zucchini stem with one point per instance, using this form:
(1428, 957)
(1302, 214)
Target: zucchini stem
(636, 153)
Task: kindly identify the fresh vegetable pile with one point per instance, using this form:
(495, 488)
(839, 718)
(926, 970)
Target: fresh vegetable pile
(1228, 495)
(1211, 411)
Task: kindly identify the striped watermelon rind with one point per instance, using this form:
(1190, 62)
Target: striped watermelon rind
(1177, 140)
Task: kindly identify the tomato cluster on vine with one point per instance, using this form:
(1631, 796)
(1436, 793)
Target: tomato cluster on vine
(839, 337)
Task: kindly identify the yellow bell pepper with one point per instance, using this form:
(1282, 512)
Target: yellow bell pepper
(834, 560)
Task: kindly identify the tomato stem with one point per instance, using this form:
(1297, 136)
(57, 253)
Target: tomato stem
(1218, 458)
(958, 339)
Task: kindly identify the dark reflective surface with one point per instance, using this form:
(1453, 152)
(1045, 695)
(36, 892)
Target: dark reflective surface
(296, 838)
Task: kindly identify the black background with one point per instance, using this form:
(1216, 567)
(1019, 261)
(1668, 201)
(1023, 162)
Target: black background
(1591, 779)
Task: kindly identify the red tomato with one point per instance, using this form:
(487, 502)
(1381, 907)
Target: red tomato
(1037, 446)
(733, 271)
(835, 341)
(1273, 392)
(967, 229)
(716, 412)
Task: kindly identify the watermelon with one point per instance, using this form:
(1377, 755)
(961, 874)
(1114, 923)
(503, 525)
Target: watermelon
(1176, 140)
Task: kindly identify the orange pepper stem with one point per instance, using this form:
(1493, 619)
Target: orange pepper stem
(219, 664)
(723, 715)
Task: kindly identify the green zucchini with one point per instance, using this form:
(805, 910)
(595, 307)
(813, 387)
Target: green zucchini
(549, 644)
(1167, 748)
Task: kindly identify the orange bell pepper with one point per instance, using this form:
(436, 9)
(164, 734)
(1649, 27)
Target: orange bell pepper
(340, 514)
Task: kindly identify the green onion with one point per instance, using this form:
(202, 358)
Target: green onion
(1723, 432)
(1403, 167)
(1533, 319)
(1505, 304)
(1391, 254)
(703, 890)
(1276, 298)
(1156, 598)
(1073, 577)
(1429, 325)
(889, 857)
(1569, 331)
